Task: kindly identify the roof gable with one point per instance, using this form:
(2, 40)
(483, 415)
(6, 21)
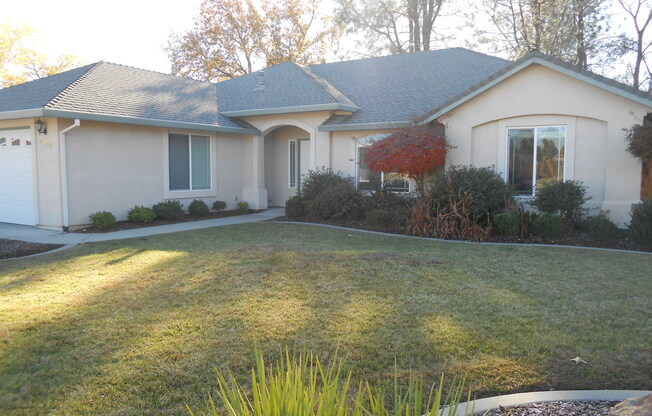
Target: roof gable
(538, 58)
(283, 88)
(38, 93)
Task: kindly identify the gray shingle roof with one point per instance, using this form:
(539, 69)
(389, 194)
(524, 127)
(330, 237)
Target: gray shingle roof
(285, 85)
(402, 87)
(123, 91)
(37, 93)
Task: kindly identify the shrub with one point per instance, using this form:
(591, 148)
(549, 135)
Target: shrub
(380, 218)
(169, 210)
(562, 198)
(300, 384)
(548, 225)
(141, 215)
(102, 220)
(398, 205)
(488, 191)
(295, 207)
(450, 221)
(317, 181)
(602, 229)
(219, 205)
(338, 201)
(641, 225)
(507, 223)
(197, 208)
(242, 206)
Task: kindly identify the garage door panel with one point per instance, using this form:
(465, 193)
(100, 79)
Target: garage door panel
(16, 177)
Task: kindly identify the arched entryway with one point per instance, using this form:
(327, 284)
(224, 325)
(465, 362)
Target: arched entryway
(288, 158)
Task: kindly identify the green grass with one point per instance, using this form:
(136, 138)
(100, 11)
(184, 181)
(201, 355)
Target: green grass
(138, 327)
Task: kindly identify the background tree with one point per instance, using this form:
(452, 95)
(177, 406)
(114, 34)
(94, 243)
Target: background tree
(20, 63)
(391, 26)
(231, 37)
(571, 30)
(414, 152)
(636, 41)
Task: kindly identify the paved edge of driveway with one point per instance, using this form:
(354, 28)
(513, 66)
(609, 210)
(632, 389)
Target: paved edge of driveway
(69, 240)
(616, 250)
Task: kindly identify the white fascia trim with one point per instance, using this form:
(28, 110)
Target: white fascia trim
(365, 126)
(293, 109)
(9, 115)
(146, 121)
(536, 60)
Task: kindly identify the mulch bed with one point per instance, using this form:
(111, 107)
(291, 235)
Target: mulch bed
(559, 408)
(576, 238)
(126, 225)
(14, 248)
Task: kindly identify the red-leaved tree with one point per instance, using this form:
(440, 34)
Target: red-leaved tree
(414, 152)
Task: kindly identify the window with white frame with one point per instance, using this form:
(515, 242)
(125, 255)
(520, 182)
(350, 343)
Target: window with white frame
(189, 159)
(536, 157)
(368, 180)
(292, 163)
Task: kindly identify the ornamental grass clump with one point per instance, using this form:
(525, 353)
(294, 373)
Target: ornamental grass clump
(300, 385)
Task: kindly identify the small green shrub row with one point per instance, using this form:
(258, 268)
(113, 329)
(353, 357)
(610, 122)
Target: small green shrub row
(168, 210)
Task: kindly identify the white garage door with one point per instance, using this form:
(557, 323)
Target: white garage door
(16, 177)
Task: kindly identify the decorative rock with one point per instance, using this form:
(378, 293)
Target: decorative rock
(556, 408)
(641, 406)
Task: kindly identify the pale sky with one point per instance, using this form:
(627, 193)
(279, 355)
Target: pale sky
(128, 32)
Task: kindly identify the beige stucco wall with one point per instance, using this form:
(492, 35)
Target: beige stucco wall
(538, 96)
(277, 163)
(112, 167)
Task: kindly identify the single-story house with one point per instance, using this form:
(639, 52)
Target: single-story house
(107, 137)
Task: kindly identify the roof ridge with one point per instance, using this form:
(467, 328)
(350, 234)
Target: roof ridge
(72, 85)
(160, 73)
(336, 94)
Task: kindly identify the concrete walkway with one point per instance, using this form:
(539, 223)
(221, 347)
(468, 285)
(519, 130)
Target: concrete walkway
(35, 235)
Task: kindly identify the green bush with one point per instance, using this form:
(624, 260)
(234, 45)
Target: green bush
(507, 223)
(219, 205)
(602, 229)
(562, 198)
(489, 192)
(641, 225)
(337, 201)
(197, 208)
(295, 207)
(548, 225)
(242, 206)
(169, 210)
(141, 215)
(397, 204)
(317, 181)
(380, 218)
(102, 220)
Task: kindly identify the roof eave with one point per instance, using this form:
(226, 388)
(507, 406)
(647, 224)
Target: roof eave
(147, 121)
(519, 66)
(16, 114)
(365, 126)
(293, 109)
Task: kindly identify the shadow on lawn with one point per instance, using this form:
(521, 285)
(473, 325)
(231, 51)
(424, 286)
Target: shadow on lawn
(140, 330)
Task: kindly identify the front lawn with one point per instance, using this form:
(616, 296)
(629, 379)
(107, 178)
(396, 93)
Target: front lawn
(137, 327)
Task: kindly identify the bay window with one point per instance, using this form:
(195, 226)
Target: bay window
(368, 180)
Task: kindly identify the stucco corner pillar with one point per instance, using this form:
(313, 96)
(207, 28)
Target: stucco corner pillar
(322, 153)
(256, 193)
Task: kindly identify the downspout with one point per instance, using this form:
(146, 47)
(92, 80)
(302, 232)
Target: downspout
(64, 173)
